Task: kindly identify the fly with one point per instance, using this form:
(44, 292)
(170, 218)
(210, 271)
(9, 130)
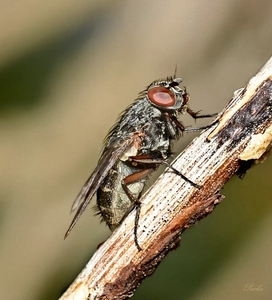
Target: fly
(139, 142)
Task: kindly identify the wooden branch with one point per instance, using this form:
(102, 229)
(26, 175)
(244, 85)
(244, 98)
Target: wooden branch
(241, 136)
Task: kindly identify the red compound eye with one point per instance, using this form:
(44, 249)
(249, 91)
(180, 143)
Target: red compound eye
(161, 96)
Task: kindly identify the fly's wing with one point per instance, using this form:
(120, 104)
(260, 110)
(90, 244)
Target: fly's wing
(106, 162)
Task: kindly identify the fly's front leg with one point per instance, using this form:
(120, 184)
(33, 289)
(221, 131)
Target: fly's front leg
(196, 115)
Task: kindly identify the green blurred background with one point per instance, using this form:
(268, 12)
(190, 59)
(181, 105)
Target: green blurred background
(67, 69)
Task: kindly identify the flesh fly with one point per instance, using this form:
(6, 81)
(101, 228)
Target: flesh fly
(139, 142)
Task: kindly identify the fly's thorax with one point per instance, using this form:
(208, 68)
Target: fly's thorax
(134, 119)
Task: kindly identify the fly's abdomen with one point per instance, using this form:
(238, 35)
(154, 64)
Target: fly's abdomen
(112, 201)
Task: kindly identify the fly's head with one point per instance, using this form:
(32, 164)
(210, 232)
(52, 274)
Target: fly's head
(168, 96)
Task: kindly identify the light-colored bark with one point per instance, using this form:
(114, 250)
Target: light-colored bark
(243, 132)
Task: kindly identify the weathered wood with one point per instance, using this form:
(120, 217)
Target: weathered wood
(243, 132)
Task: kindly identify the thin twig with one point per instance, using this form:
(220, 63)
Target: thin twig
(242, 136)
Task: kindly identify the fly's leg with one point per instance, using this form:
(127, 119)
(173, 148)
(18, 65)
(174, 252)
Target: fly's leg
(159, 161)
(152, 162)
(125, 182)
(194, 129)
(196, 115)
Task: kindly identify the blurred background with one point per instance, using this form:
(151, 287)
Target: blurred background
(67, 69)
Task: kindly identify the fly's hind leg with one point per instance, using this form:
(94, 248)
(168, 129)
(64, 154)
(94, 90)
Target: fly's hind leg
(135, 177)
(149, 163)
(152, 161)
